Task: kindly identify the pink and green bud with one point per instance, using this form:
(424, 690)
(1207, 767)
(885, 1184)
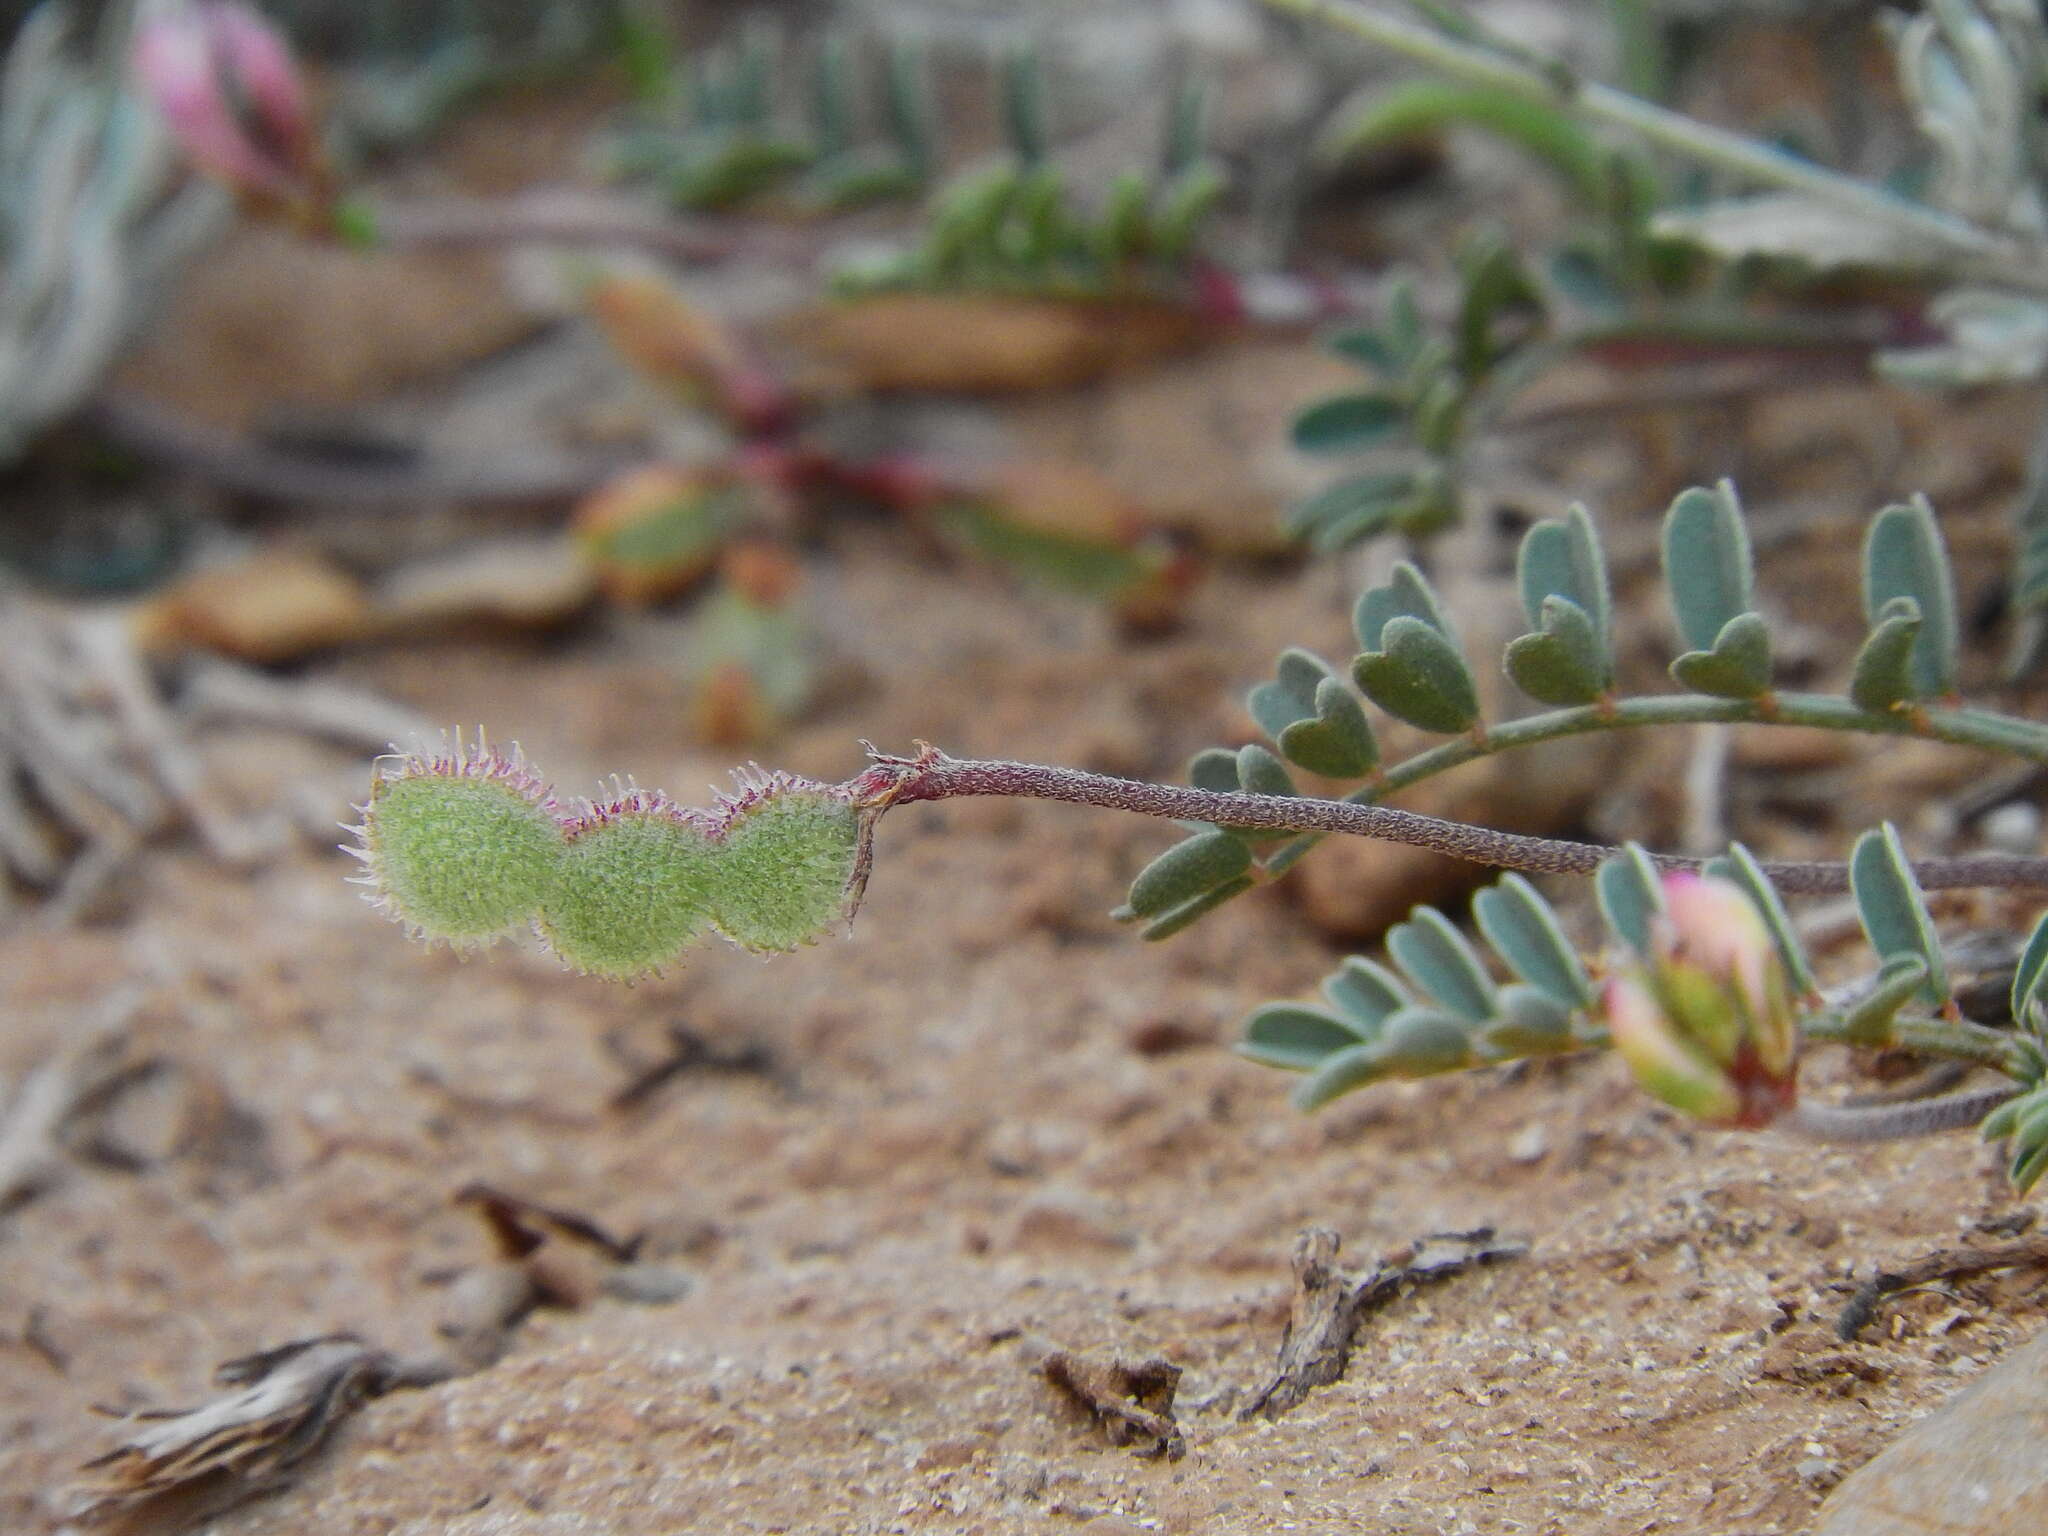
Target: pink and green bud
(1707, 1023)
(225, 82)
(1663, 1058)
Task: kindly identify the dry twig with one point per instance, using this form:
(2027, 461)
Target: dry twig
(1947, 1264)
(94, 759)
(83, 727)
(1329, 1303)
(31, 1125)
(247, 466)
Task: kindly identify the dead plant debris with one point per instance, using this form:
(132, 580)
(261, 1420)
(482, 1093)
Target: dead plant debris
(521, 1227)
(1945, 1264)
(35, 1119)
(688, 1052)
(543, 1256)
(289, 1401)
(1328, 1304)
(1132, 1401)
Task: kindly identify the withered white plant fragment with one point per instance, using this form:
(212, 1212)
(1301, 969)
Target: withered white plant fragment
(289, 1401)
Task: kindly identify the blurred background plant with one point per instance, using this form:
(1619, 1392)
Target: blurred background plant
(1018, 226)
(712, 128)
(401, 70)
(96, 219)
(1680, 249)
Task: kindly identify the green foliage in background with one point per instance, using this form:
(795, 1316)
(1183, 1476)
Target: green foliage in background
(1018, 226)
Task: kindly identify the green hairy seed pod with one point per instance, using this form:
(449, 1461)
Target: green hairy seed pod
(464, 844)
(632, 891)
(460, 855)
(788, 866)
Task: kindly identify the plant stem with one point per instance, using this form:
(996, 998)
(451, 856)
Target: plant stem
(1892, 1122)
(1959, 727)
(1989, 255)
(1705, 328)
(2000, 1049)
(934, 776)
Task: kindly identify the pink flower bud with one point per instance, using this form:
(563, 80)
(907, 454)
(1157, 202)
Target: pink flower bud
(1715, 926)
(1666, 1062)
(1708, 1023)
(224, 80)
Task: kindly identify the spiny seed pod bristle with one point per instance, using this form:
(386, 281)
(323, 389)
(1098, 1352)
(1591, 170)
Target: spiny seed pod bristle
(464, 843)
(459, 759)
(630, 800)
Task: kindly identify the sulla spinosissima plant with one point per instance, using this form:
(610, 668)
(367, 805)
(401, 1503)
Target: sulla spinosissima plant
(1705, 990)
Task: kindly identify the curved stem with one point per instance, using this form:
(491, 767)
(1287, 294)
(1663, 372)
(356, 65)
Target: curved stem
(1892, 1122)
(1959, 727)
(934, 776)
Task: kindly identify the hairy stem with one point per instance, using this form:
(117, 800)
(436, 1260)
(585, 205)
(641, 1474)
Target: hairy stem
(934, 776)
(1984, 253)
(2000, 1049)
(1892, 1122)
(1959, 727)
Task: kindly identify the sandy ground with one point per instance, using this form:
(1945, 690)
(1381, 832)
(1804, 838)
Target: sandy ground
(987, 1124)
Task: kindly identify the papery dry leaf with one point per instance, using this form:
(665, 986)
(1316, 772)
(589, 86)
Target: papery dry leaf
(276, 605)
(987, 344)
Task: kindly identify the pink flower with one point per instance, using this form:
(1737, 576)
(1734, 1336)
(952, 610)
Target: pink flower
(226, 84)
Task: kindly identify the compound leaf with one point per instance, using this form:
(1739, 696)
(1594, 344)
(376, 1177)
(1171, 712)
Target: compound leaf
(1365, 992)
(1882, 678)
(1562, 558)
(1348, 423)
(1297, 1038)
(1420, 677)
(1439, 961)
(1190, 868)
(1737, 667)
(1631, 896)
(1563, 663)
(2030, 982)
